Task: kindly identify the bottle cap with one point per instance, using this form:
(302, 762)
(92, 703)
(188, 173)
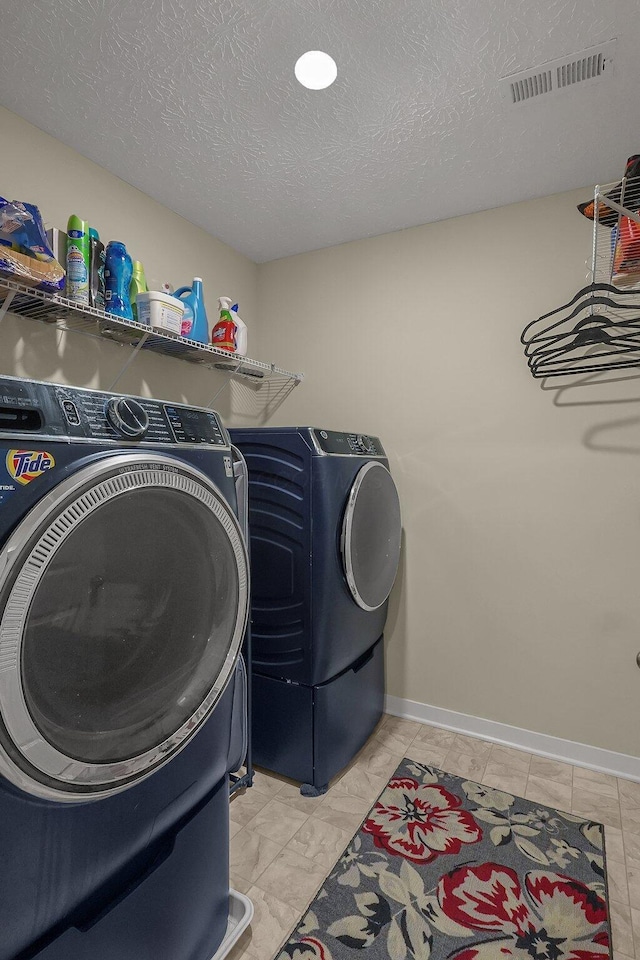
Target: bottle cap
(93, 233)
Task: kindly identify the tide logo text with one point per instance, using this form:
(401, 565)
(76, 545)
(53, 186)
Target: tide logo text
(25, 465)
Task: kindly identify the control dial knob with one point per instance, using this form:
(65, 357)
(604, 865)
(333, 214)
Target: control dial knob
(365, 444)
(128, 417)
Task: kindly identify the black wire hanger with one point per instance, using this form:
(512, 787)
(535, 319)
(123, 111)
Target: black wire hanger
(576, 343)
(585, 299)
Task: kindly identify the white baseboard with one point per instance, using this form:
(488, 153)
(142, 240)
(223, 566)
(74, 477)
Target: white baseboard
(579, 754)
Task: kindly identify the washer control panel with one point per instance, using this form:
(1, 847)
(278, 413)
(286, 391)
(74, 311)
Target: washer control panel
(100, 416)
(54, 410)
(348, 444)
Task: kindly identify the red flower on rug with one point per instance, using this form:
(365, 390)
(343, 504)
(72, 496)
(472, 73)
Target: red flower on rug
(554, 918)
(309, 948)
(420, 821)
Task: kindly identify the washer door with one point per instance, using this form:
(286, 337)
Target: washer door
(371, 536)
(123, 602)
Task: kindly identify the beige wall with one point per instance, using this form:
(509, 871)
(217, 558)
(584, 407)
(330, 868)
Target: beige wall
(518, 599)
(37, 168)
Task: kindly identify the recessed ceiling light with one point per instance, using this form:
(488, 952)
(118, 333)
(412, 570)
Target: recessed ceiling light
(316, 70)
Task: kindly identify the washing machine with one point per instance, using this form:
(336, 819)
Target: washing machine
(123, 600)
(325, 535)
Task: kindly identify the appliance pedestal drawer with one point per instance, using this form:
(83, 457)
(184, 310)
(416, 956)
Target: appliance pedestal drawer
(309, 733)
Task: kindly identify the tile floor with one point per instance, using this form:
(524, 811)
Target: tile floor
(283, 845)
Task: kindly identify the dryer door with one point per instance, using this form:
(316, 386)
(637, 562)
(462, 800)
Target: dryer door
(371, 536)
(123, 603)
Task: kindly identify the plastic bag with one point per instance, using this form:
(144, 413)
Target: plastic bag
(25, 255)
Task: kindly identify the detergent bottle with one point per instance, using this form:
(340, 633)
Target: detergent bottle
(138, 285)
(117, 278)
(96, 271)
(230, 332)
(195, 325)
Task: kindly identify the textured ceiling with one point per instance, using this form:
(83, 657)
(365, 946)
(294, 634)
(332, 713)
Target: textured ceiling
(195, 103)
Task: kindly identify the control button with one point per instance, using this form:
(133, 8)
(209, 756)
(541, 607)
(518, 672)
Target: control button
(71, 412)
(127, 416)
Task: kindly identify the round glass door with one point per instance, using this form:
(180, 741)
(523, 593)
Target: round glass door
(371, 536)
(123, 605)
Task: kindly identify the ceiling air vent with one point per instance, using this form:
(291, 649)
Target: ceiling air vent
(595, 63)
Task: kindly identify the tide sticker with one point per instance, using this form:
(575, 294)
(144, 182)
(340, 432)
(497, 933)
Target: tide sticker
(25, 465)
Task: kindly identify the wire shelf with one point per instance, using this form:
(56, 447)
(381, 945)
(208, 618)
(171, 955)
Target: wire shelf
(69, 316)
(616, 234)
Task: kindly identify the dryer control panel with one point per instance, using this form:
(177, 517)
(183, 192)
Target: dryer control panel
(54, 410)
(348, 444)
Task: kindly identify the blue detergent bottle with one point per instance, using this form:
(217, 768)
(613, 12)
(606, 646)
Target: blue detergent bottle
(118, 269)
(195, 325)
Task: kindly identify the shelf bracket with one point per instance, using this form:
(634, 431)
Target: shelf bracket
(223, 385)
(6, 303)
(131, 358)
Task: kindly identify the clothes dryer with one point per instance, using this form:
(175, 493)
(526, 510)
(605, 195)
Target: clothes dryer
(325, 535)
(123, 601)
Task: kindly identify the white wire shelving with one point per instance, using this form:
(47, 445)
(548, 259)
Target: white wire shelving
(616, 234)
(65, 315)
(598, 330)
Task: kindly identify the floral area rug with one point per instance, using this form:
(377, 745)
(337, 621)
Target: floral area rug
(446, 868)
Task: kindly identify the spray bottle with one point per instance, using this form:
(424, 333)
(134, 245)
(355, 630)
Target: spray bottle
(230, 332)
(78, 260)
